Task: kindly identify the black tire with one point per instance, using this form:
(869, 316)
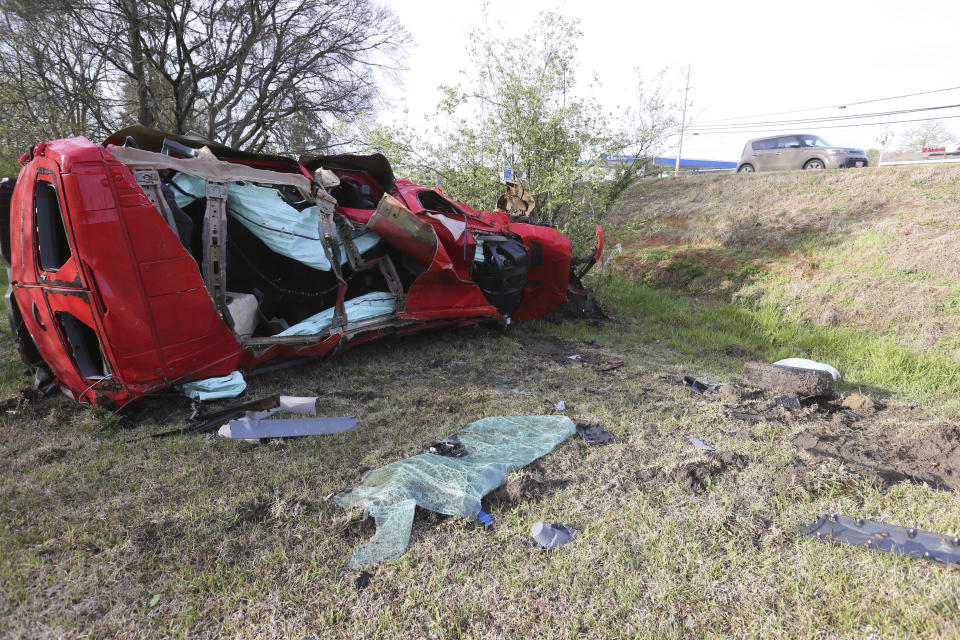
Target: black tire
(815, 165)
(26, 347)
(746, 168)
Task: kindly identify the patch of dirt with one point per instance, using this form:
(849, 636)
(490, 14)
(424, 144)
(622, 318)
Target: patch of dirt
(548, 347)
(48, 455)
(253, 511)
(696, 473)
(893, 446)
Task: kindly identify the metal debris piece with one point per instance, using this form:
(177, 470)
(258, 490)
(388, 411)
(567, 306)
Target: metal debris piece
(544, 537)
(700, 444)
(611, 367)
(700, 386)
(248, 428)
(748, 417)
(574, 357)
(450, 447)
(560, 406)
(594, 434)
(852, 414)
(788, 402)
(888, 538)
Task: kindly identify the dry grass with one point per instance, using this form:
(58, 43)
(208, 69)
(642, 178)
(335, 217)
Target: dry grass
(872, 248)
(203, 537)
(198, 536)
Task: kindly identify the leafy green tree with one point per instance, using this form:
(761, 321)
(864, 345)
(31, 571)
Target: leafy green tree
(519, 104)
(925, 134)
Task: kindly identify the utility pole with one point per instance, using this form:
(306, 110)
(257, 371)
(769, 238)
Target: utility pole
(683, 122)
(884, 139)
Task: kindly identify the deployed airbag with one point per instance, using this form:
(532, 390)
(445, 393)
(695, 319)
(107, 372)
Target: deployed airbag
(284, 229)
(369, 305)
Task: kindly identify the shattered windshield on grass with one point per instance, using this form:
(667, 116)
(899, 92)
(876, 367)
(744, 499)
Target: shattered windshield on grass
(451, 485)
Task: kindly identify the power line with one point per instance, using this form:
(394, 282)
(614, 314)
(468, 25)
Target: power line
(834, 106)
(790, 123)
(834, 126)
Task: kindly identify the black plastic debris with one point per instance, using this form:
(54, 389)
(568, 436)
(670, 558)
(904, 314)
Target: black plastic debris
(788, 402)
(887, 538)
(544, 536)
(700, 386)
(449, 447)
(700, 444)
(594, 433)
(436, 363)
(851, 414)
(748, 417)
(363, 580)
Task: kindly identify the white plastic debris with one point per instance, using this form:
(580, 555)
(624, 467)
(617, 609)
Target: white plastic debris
(560, 406)
(575, 357)
(301, 405)
(700, 444)
(803, 363)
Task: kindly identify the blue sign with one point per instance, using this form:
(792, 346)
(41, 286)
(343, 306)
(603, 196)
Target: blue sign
(507, 171)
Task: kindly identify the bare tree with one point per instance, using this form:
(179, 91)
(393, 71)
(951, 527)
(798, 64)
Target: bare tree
(254, 74)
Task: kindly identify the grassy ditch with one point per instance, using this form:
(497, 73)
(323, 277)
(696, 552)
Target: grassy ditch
(768, 331)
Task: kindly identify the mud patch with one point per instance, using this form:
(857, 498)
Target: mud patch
(895, 448)
(694, 474)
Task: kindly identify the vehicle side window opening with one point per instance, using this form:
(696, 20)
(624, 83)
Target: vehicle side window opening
(433, 201)
(765, 145)
(354, 195)
(787, 142)
(275, 255)
(51, 233)
(84, 346)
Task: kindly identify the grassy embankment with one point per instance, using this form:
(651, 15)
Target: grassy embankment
(205, 537)
(856, 268)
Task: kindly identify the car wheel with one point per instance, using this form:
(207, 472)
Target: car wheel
(747, 168)
(814, 165)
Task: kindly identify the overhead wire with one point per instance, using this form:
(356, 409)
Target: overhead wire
(804, 121)
(833, 106)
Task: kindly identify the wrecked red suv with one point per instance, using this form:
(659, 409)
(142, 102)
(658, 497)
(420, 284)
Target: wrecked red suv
(153, 259)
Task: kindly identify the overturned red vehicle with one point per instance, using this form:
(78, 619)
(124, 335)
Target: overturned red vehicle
(153, 260)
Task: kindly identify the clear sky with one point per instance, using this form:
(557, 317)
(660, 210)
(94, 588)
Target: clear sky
(747, 58)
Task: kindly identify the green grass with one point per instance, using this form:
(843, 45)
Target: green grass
(773, 332)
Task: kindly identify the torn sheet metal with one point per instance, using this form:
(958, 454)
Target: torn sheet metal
(879, 536)
(550, 536)
(595, 434)
(453, 486)
(215, 388)
(247, 428)
(701, 386)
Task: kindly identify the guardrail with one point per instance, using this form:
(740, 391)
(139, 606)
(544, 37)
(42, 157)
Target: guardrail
(888, 163)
